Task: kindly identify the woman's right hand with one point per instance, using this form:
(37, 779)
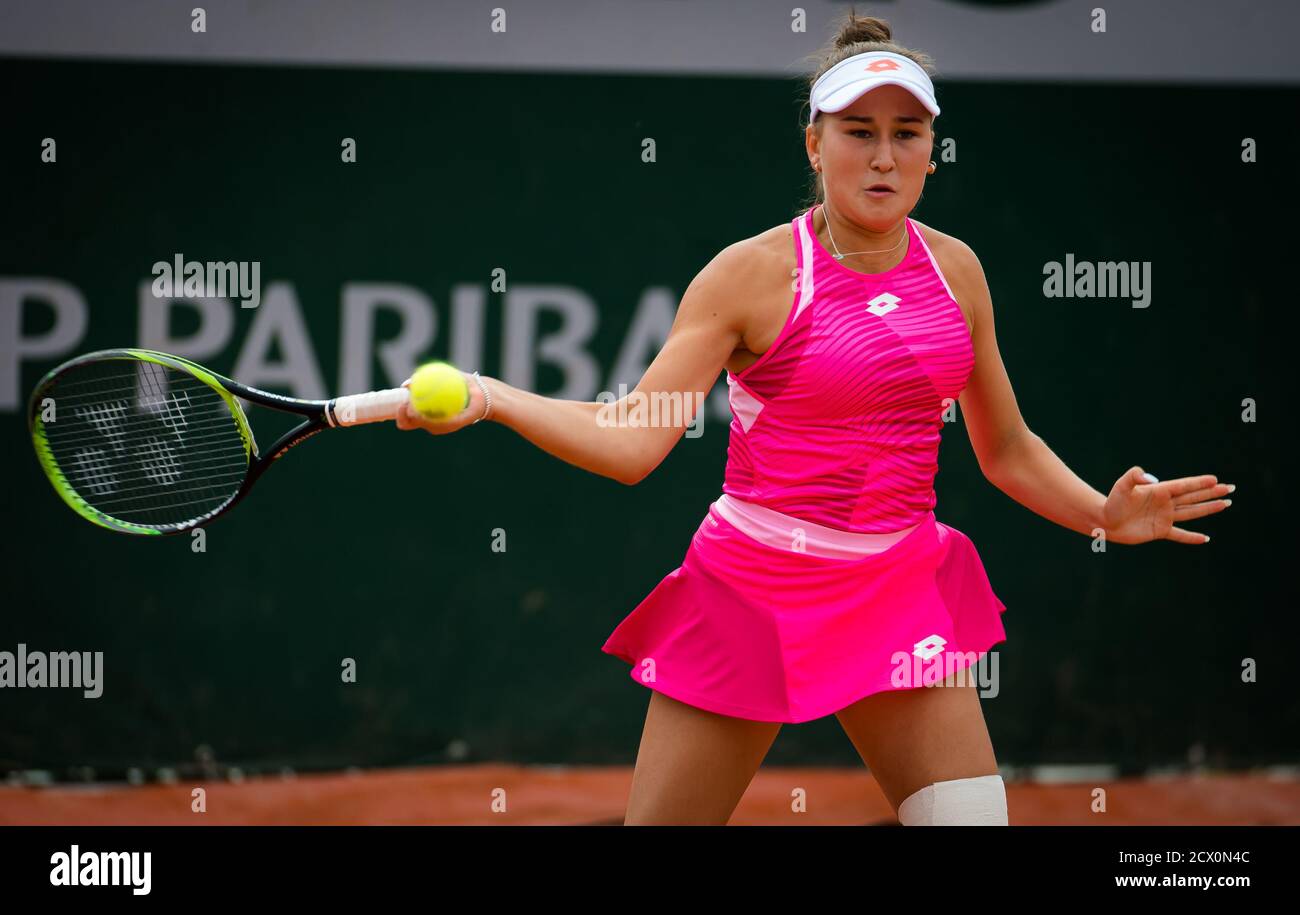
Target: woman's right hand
(407, 418)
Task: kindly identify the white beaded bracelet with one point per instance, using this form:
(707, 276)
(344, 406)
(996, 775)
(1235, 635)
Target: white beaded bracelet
(487, 399)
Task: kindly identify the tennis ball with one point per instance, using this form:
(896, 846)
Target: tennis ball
(438, 391)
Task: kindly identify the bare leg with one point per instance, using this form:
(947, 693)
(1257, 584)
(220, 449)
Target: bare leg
(914, 737)
(693, 766)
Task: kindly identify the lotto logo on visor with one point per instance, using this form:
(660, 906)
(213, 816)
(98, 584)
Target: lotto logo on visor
(842, 85)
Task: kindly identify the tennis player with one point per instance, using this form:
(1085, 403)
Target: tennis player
(820, 581)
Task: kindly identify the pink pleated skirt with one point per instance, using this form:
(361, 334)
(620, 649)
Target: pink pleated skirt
(772, 618)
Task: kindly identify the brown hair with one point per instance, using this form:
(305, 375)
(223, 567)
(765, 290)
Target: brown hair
(857, 35)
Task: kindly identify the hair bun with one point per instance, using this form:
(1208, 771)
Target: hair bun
(863, 28)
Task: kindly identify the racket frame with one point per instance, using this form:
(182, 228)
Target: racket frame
(318, 416)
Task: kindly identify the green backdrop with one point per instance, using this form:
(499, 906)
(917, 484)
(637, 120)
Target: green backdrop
(377, 545)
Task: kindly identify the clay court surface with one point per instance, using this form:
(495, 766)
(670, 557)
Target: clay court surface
(463, 795)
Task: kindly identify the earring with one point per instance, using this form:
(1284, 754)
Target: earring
(932, 167)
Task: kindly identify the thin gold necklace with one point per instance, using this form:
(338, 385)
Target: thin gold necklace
(839, 257)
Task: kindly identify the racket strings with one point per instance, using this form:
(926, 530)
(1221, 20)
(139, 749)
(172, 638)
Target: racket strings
(153, 446)
(203, 500)
(216, 431)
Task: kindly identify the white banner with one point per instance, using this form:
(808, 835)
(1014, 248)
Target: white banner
(1196, 41)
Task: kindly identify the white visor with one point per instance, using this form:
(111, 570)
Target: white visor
(843, 84)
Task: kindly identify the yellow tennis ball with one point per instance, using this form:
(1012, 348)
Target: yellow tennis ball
(438, 391)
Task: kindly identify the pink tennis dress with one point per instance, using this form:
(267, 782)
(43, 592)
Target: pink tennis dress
(820, 575)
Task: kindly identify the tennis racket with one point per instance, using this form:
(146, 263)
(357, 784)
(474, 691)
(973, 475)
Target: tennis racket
(146, 443)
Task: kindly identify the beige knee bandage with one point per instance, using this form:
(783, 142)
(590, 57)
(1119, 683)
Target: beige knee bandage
(978, 801)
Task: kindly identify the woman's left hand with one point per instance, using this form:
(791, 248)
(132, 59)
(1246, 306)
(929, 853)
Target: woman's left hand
(1138, 510)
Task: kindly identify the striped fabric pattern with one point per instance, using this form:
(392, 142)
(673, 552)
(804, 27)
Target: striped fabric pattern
(838, 422)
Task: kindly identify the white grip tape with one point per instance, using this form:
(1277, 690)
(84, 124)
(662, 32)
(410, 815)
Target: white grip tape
(376, 406)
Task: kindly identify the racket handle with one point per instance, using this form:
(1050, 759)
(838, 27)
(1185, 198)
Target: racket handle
(376, 406)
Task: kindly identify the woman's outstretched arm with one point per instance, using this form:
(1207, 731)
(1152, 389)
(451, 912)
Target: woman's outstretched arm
(708, 327)
(1139, 508)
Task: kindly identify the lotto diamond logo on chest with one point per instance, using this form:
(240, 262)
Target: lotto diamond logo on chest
(883, 304)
